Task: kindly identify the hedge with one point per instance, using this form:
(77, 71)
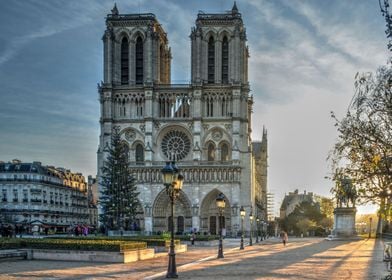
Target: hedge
(151, 241)
(71, 244)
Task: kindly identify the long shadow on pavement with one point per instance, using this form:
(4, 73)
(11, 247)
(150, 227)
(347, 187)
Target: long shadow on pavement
(276, 264)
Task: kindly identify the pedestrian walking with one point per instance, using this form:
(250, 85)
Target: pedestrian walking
(284, 237)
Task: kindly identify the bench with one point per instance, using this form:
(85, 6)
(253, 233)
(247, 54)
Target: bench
(13, 254)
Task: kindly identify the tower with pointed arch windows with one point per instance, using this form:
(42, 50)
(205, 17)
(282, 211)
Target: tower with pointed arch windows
(205, 126)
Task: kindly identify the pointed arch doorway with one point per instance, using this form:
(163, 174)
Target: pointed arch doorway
(210, 222)
(162, 216)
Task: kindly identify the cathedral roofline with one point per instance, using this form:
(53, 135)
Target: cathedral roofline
(233, 14)
(201, 16)
(146, 16)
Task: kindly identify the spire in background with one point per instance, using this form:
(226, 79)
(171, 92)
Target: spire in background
(115, 10)
(234, 10)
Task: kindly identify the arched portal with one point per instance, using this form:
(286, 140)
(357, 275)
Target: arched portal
(162, 213)
(209, 215)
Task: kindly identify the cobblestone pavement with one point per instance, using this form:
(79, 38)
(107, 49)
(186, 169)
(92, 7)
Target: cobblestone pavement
(308, 258)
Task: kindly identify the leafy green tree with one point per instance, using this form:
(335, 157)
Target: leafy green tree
(304, 225)
(305, 210)
(327, 207)
(363, 150)
(119, 197)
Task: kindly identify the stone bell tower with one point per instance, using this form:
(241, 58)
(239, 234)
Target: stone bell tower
(205, 126)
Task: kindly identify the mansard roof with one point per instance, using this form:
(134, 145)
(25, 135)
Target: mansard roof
(36, 167)
(19, 167)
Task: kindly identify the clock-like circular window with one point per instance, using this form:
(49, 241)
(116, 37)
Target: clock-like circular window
(175, 145)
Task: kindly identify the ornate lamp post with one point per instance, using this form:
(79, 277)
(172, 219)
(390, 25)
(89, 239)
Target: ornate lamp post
(173, 183)
(251, 226)
(257, 229)
(220, 203)
(242, 213)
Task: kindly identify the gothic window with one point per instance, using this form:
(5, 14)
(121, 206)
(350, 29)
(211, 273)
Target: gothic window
(165, 106)
(175, 145)
(123, 110)
(211, 60)
(211, 152)
(124, 61)
(139, 108)
(139, 61)
(139, 153)
(225, 61)
(224, 106)
(224, 152)
(211, 104)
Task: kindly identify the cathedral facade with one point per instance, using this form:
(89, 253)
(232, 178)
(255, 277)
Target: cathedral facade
(205, 126)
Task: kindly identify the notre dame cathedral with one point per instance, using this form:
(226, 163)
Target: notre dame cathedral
(205, 126)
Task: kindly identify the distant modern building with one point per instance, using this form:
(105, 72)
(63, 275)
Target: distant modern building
(204, 125)
(293, 199)
(40, 197)
(271, 206)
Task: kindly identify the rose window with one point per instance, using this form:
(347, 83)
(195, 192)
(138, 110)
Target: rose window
(176, 145)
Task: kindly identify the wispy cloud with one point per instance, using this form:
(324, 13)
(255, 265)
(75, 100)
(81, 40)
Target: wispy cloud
(54, 18)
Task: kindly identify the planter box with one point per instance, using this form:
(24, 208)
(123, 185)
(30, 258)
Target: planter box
(91, 256)
(179, 248)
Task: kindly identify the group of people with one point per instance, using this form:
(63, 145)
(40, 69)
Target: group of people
(80, 230)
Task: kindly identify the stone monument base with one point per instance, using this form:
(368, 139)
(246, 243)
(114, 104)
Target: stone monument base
(344, 223)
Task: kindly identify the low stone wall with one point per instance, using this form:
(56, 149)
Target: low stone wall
(179, 248)
(211, 243)
(91, 256)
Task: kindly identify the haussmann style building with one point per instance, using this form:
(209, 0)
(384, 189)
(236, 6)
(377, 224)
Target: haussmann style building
(205, 126)
(38, 198)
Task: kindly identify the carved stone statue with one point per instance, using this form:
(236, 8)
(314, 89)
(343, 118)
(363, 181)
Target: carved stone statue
(345, 192)
(344, 214)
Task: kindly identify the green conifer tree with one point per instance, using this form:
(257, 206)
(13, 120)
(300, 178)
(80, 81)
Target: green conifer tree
(119, 196)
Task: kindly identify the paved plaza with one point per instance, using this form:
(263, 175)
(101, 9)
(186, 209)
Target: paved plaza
(307, 258)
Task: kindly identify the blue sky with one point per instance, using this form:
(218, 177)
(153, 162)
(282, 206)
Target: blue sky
(304, 56)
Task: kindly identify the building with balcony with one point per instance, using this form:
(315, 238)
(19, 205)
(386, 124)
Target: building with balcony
(205, 126)
(41, 196)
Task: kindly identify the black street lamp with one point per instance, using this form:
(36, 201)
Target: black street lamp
(173, 183)
(251, 224)
(257, 229)
(242, 213)
(220, 203)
